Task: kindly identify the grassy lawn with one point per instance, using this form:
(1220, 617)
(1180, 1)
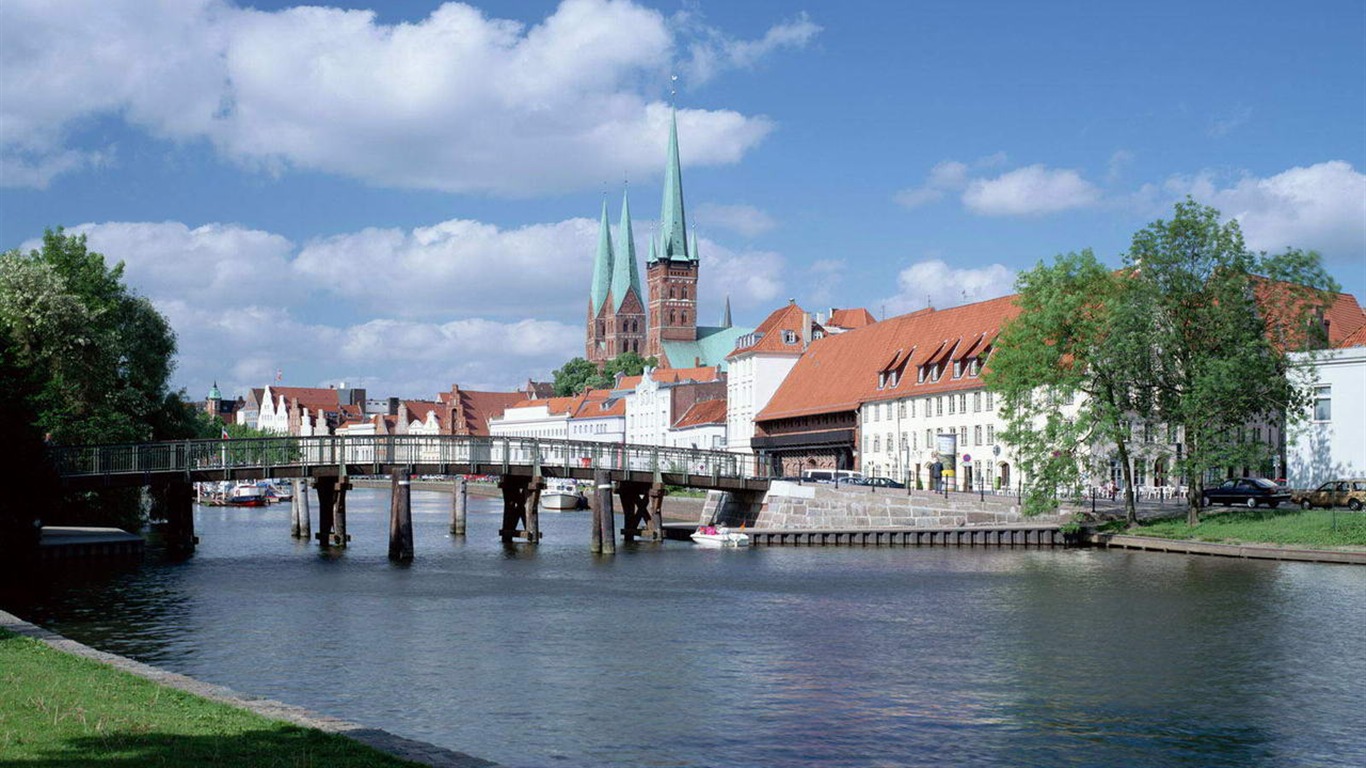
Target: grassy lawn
(1312, 528)
(62, 710)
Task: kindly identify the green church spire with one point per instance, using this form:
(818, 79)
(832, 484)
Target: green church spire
(673, 236)
(602, 266)
(625, 273)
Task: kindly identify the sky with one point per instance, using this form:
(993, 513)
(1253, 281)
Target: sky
(405, 195)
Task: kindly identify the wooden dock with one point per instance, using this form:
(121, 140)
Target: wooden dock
(994, 536)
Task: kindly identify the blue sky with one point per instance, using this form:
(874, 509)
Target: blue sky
(407, 197)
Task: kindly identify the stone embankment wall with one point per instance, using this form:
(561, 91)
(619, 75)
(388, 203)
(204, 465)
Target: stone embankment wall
(799, 507)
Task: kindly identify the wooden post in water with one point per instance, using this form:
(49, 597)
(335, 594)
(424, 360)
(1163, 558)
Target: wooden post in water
(514, 506)
(533, 510)
(179, 531)
(654, 527)
(459, 506)
(305, 524)
(295, 499)
(602, 487)
(609, 520)
(339, 535)
(401, 518)
(326, 488)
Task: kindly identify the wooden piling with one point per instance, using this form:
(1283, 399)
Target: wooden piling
(339, 537)
(401, 518)
(326, 488)
(609, 521)
(294, 509)
(300, 488)
(459, 506)
(179, 531)
(601, 487)
(532, 514)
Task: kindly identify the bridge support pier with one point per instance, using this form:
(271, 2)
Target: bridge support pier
(604, 520)
(401, 518)
(459, 506)
(179, 508)
(332, 511)
(520, 499)
(640, 506)
(300, 525)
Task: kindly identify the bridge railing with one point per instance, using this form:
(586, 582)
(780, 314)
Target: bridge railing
(491, 454)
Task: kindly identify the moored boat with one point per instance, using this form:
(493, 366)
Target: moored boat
(247, 495)
(712, 536)
(562, 495)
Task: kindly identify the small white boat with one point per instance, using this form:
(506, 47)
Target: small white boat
(247, 495)
(716, 537)
(562, 495)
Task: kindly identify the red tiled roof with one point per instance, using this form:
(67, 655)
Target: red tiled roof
(1344, 315)
(553, 405)
(703, 413)
(851, 318)
(598, 404)
(1356, 338)
(313, 398)
(839, 372)
(418, 410)
(768, 337)
(628, 382)
(700, 374)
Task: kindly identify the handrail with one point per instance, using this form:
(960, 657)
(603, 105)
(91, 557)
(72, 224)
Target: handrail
(185, 456)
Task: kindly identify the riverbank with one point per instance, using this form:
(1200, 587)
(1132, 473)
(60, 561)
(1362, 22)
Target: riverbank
(69, 704)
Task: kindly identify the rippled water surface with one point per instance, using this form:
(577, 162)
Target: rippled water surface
(665, 655)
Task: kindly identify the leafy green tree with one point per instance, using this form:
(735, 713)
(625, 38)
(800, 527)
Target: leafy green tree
(579, 375)
(100, 356)
(1070, 370)
(1220, 335)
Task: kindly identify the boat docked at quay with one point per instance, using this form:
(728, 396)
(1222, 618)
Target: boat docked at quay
(248, 495)
(718, 537)
(562, 495)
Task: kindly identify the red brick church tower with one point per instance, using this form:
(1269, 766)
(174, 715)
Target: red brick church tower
(671, 272)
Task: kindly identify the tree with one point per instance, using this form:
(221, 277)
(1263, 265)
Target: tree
(579, 375)
(1220, 335)
(1069, 370)
(100, 356)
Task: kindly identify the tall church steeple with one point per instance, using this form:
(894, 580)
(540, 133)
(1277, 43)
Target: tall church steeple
(602, 267)
(625, 273)
(673, 223)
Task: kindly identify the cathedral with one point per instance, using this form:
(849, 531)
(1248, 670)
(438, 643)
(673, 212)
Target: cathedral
(662, 324)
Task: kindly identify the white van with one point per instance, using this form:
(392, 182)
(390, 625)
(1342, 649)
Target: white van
(830, 475)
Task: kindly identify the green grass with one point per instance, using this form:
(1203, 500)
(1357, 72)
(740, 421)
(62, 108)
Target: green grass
(1293, 527)
(63, 710)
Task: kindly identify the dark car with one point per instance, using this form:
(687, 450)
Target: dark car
(1249, 491)
(879, 482)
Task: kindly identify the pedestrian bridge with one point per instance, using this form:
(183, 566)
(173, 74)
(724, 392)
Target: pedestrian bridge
(146, 464)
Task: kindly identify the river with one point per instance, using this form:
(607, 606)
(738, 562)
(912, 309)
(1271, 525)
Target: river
(666, 655)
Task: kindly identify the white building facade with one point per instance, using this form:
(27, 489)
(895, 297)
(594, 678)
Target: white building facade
(1331, 443)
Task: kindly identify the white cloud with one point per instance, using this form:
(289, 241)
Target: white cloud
(1030, 191)
(456, 267)
(1321, 207)
(458, 301)
(751, 278)
(942, 286)
(742, 219)
(712, 51)
(457, 101)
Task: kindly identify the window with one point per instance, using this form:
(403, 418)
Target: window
(991, 434)
(951, 404)
(989, 405)
(790, 337)
(929, 438)
(963, 403)
(963, 435)
(912, 402)
(1323, 403)
(889, 442)
(920, 377)
(915, 441)
(934, 372)
(896, 377)
(976, 402)
(881, 380)
(939, 406)
(974, 367)
(901, 409)
(958, 369)
(903, 442)
(977, 435)
(877, 444)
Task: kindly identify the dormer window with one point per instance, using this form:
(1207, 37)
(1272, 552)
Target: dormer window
(920, 377)
(958, 369)
(882, 380)
(896, 377)
(789, 337)
(974, 367)
(934, 372)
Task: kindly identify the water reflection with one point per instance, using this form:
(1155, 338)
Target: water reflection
(532, 655)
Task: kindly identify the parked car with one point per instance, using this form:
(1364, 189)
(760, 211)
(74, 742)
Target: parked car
(1250, 491)
(831, 475)
(878, 482)
(1334, 493)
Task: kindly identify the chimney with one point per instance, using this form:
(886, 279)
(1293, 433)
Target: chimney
(393, 406)
(806, 330)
